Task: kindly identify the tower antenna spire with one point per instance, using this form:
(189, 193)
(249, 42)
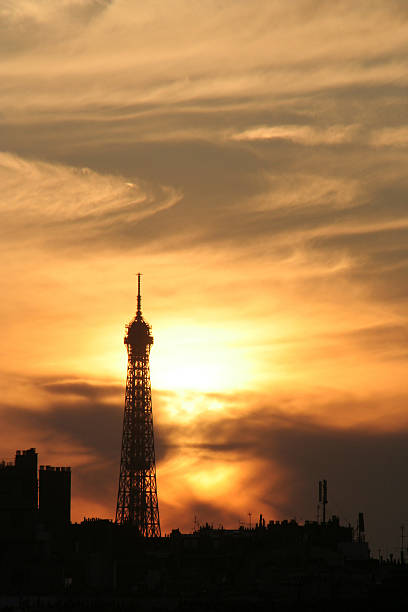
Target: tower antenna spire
(139, 298)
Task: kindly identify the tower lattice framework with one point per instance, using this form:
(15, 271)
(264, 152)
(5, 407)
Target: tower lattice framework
(137, 503)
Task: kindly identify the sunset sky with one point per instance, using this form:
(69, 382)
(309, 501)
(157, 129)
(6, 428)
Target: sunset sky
(249, 157)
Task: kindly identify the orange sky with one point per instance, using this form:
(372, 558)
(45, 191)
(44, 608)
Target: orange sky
(250, 159)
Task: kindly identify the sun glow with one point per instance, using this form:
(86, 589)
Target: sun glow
(182, 359)
(185, 406)
(199, 359)
(212, 479)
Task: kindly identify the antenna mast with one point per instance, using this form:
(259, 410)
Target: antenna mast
(323, 498)
(139, 298)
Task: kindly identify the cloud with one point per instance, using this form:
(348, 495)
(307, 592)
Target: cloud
(305, 191)
(157, 97)
(302, 134)
(46, 202)
(389, 341)
(391, 137)
(252, 457)
(292, 452)
(27, 14)
(83, 389)
(190, 54)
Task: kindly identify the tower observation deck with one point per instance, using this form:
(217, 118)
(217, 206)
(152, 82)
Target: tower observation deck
(137, 503)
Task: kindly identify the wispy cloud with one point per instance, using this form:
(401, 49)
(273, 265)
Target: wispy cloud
(56, 198)
(302, 134)
(391, 137)
(185, 53)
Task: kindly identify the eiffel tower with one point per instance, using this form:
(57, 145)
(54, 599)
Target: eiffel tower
(137, 503)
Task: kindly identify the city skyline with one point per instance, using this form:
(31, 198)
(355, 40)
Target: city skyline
(250, 160)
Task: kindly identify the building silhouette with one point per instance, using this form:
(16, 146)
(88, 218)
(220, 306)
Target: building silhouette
(137, 503)
(55, 495)
(47, 562)
(27, 500)
(19, 491)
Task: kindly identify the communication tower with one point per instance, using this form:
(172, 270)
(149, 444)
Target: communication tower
(137, 503)
(323, 498)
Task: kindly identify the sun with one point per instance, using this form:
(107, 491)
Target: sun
(198, 359)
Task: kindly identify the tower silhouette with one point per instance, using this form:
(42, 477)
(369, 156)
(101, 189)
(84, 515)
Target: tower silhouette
(137, 503)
